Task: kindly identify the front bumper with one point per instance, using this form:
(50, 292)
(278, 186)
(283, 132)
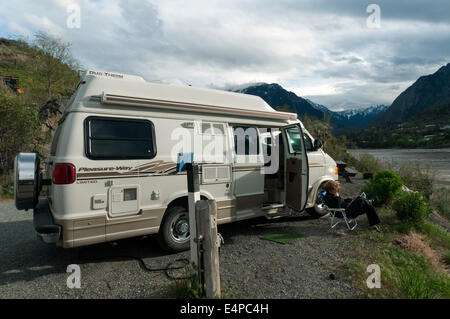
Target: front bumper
(44, 225)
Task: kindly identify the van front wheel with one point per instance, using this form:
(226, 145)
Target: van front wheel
(319, 209)
(174, 234)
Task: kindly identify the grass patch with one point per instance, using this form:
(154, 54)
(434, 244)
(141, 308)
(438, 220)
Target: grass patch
(186, 288)
(436, 233)
(447, 257)
(7, 193)
(440, 200)
(404, 273)
(419, 283)
(6, 186)
(282, 237)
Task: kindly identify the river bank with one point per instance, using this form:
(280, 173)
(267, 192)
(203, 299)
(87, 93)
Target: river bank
(436, 160)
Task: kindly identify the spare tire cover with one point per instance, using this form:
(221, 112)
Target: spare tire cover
(26, 180)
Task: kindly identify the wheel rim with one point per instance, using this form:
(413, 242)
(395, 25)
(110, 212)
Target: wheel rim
(179, 227)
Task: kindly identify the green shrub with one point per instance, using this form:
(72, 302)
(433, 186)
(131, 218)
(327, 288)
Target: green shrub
(385, 185)
(418, 178)
(6, 192)
(415, 176)
(412, 210)
(18, 127)
(7, 185)
(366, 163)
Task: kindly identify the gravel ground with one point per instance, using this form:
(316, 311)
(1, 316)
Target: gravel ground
(250, 267)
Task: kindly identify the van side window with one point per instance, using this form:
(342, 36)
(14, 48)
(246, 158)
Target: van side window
(219, 129)
(308, 143)
(113, 138)
(208, 128)
(246, 140)
(294, 138)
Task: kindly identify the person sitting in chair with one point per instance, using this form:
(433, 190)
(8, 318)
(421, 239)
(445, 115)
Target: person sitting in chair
(353, 207)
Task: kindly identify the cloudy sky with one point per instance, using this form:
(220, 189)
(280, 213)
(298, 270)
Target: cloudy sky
(337, 53)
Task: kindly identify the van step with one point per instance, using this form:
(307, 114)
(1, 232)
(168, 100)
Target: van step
(276, 211)
(273, 216)
(272, 206)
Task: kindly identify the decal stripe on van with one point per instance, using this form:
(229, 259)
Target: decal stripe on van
(155, 168)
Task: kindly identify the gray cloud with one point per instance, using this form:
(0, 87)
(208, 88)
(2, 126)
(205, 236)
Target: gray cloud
(434, 11)
(322, 48)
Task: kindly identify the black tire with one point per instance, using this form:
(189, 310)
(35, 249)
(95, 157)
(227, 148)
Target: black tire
(174, 233)
(318, 210)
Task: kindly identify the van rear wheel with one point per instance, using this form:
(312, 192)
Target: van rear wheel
(174, 234)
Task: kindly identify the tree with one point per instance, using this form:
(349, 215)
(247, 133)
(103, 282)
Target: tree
(19, 129)
(285, 108)
(56, 60)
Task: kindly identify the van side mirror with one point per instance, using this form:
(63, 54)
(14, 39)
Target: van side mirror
(317, 144)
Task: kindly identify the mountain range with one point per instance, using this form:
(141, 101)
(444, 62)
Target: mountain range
(428, 91)
(281, 99)
(351, 119)
(425, 99)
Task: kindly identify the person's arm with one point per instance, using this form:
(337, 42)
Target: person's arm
(342, 202)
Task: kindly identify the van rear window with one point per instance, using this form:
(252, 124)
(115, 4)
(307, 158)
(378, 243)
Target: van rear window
(113, 138)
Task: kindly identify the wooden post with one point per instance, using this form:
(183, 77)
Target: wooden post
(207, 221)
(193, 196)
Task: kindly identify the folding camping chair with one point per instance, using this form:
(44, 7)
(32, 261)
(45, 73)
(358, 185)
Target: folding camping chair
(336, 219)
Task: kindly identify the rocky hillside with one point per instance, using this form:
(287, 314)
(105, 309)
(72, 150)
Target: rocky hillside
(281, 99)
(34, 82)
(427, 129)
(418, 117)
(33, 68)
(426, 92)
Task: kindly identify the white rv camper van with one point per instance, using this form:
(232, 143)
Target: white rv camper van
(112, 169)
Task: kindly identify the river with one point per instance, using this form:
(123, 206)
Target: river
(437, 160)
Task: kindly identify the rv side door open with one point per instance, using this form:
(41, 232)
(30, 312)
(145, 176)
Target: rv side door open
(296, 167)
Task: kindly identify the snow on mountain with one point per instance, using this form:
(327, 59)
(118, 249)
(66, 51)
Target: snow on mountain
(368, 111)
(276, 96)
(351, 118)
